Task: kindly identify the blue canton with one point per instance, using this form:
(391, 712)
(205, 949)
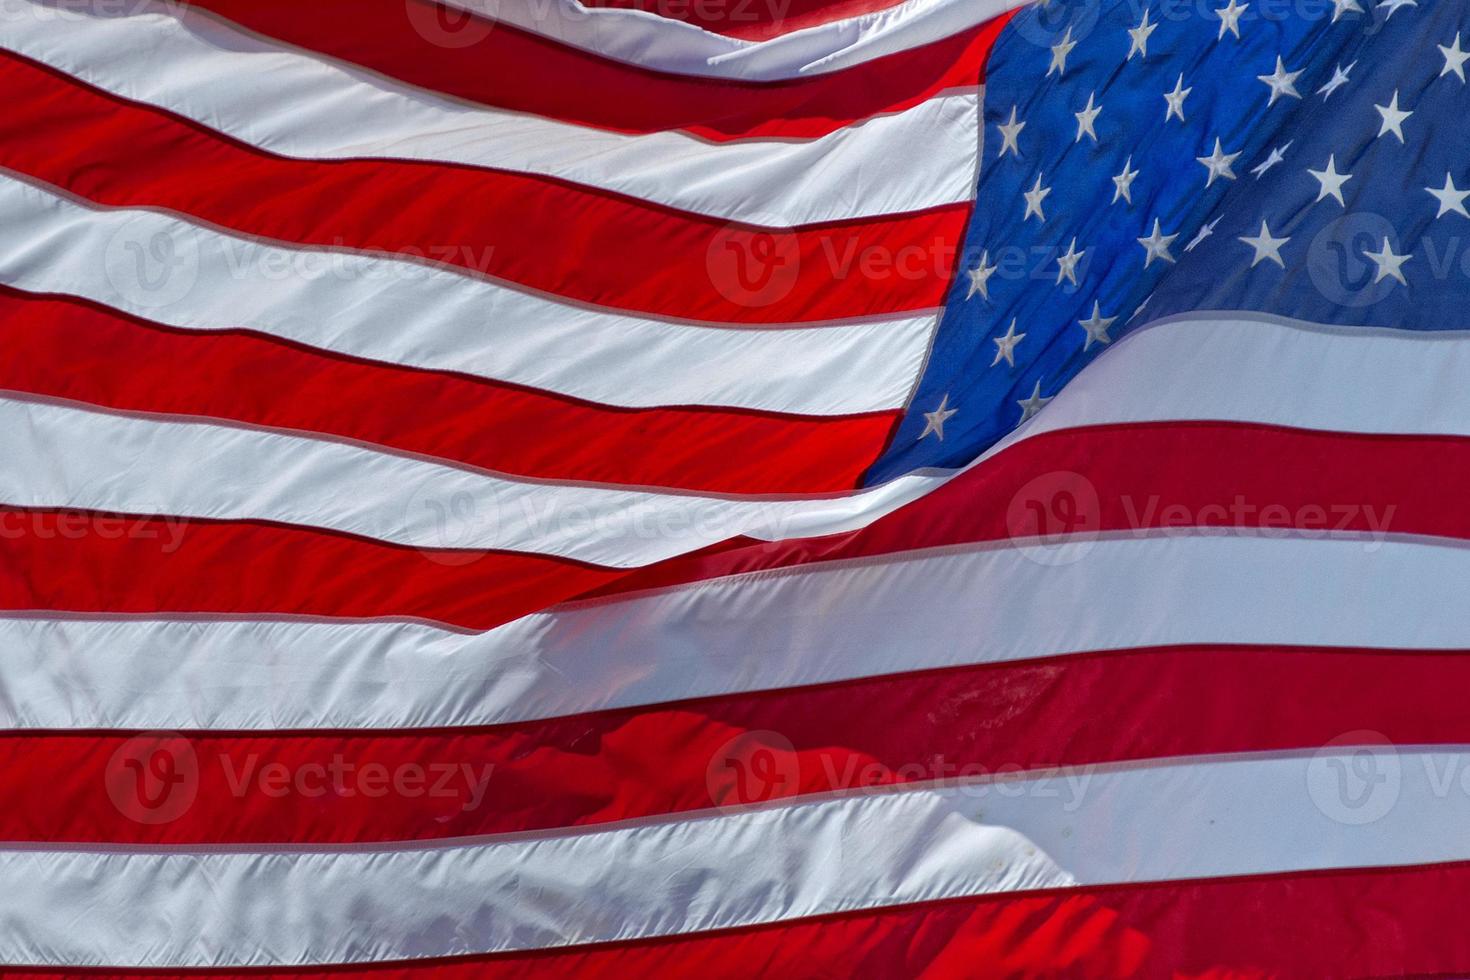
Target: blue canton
(1310, 160)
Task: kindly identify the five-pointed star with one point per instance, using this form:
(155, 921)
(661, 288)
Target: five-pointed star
(1393, 117)
(1454, 58)
(1123, 183)
(1009, 133)
(1139, 36)
(1030, 406)
(1005, 347)
(980, 277)
(1340, 7)
(1282, 83)
(1176, 99)
(1059, 52)
(1338, 80)
(1277, 155)
(1205, 231)
(1330, 180)
(1067, 263)
(934, 421)
(1266, 247)
(1230, 18)
(1392, 6)
(1086, 118)
(1218, 163)
(1096, 327)
(1388, 263)
(1450, 197)
(1034, 197)
(1157, 245)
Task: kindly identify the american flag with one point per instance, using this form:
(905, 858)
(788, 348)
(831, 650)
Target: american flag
(734, 488)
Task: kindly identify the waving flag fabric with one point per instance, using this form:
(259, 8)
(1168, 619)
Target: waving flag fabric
(817, 488)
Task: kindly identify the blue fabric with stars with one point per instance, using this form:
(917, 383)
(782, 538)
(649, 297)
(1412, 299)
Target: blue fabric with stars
(1148, 220)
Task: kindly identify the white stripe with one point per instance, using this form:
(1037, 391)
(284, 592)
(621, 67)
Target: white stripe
(1181, 820)
(404, 312)
(661, 43)
(64, 456)
(294, 105)
(1254, 367)
(827, 622)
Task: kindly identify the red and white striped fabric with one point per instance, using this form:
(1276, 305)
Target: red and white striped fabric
(424, 550)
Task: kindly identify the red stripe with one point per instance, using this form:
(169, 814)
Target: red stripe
(566, 240)
(84, 561)
(75, 350)
(737, 750)
(513, 69)
(1146, 476)
(1355, 922)
(752, 20)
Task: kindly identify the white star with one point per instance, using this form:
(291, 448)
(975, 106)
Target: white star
(1005, 347)
(1450, 197)
(1205, 231)
(1086, 118)
(1340, 7)
(1067, 263)
(1282, 83)
(1392, 6)
(1393, 117)
(1123, 183)
(1139, 37)
(934, 421)
(1218, 163)
(1009, 132)
(1230, 18)
(1338, 80)
(1096, 326)
(1157, 245)
(1034, 404)
(1266, 247)
(1176, 100)
(1034, 197)
(1388, 263)
(1277, 155)
(1059, 52)
(980, 277)
(1454, 58)
(1330, 180)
